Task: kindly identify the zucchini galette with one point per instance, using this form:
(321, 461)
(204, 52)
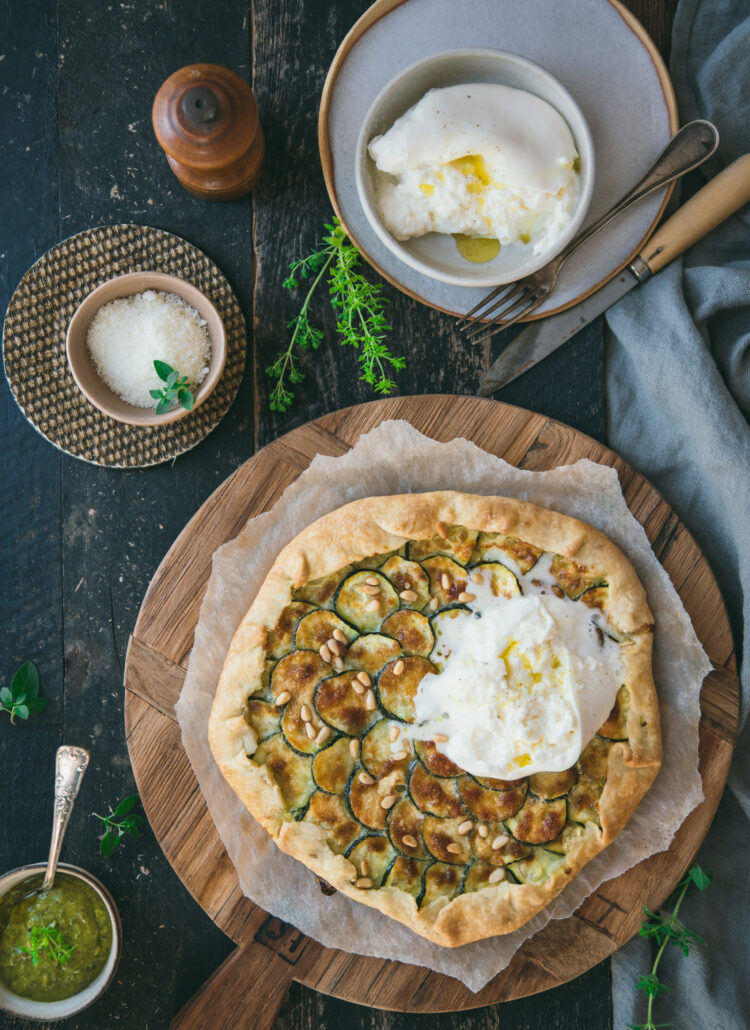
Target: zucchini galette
(443, 705)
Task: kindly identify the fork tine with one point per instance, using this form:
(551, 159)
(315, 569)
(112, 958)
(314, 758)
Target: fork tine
(512, 295)
(498, 324)
(485, 300)
(520, 297)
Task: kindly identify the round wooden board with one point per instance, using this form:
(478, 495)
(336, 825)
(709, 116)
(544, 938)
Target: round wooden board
(270, 953)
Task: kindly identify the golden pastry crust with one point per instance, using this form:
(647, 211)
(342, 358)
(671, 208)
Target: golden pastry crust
(630, 741)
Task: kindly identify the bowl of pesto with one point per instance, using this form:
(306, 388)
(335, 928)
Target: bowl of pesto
(58, 948)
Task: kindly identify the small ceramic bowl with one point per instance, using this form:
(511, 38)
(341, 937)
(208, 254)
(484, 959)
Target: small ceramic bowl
(47, 1011)
(435, 254)
(84, 371)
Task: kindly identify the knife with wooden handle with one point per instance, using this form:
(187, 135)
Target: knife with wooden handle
(709, 207)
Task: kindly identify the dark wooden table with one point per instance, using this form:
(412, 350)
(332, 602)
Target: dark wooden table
(78, 544)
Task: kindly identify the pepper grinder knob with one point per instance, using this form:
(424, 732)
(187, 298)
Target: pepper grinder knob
(205, 119)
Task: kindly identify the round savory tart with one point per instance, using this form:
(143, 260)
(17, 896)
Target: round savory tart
(310, 724)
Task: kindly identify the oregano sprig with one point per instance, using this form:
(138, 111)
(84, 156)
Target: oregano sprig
(664, 930)
(50, 940)
(176, 388)
(360, 318)
(118, 823)
(21, 699)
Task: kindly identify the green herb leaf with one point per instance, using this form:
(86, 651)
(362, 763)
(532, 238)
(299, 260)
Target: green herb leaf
(125, 806)
(700, 877)
(5, 696)
(163, 370)
(172, 378)
(25, 680)
(163, 406)
(22, 711)
(119, 822)
(21, 699)
(156, 394)
(186, 399)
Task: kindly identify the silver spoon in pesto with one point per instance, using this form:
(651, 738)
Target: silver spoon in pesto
(70, 765)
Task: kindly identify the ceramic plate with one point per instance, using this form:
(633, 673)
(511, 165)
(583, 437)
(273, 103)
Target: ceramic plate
(601, 55)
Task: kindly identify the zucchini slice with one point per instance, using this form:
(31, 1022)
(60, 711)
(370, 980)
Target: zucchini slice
(412, 630)
(616, 726)
(408, 575)
(377, 853)
(583, 802)
(491, 547)
(332, 815)
(551, 785)
(263, 717)
(364, 801)
(352, 600)
(406, 874)
(595, 759)
(538, 821)
(492, 784)
(332, 767)
(570, 834)
(377, 752)
(280, 639)
(396, 692)
(595, 597)
(491, 806)
(405, 819)
(371, 652)
(478, 877)
(316, 628)
(292, 772)
(321, 591)
(441, 880)
(439, 623)
(298, 674)
(458, 544)
(511, 851)
(500, 578)
(338, 704)
(293, 726)
(572, 578)
(538, 867)
(441, 838)
(433, 795)
(434, 760)
(457, 579)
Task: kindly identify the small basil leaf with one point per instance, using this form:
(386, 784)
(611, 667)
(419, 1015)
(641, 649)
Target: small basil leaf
(5, 696)
(163, 406)
(156, 394)
(22, 712)
(108, 843)
(186, 399)
(700, 877)
(162, 369)
(172, 378)
(126, 805)
(36, 704)
(25, 680)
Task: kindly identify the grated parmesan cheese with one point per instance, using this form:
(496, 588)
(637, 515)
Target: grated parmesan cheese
(128, 334)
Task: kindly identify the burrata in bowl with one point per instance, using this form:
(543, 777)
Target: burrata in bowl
(475, 167)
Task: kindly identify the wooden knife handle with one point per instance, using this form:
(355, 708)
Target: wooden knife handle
(245, 993)
(719, 198)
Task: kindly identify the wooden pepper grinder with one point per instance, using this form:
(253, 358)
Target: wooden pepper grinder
(206, 121)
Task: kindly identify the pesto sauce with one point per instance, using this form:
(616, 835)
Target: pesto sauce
(78, 913)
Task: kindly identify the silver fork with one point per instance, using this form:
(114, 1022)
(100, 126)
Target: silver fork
(690, 147)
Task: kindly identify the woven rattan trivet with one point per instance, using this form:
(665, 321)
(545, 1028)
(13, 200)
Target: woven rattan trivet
(34, 344)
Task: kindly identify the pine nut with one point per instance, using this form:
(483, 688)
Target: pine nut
(334, 646)
(366, 779)
(358, 688)
(363, 867)
(370, 701)
(399, 667)
(338, 663)
(338, 634)
(305, 714)
(388, 801)
(434, 604)
(408, 595)
(399, 756)
(364, 679)
(465, 826)
(455, 849)
(393, 732)
(440, 738)
(409, 841)
(325, 653)
(282, 698)
(463, 596)
(323, 735)
(482, 830)
(499, 841)
(354, 748)
(372, 606)
(496, 875)
(310, 730)
(371, 588)
(477, 577)
(363, 882)
(442, 530)
(372, 581)
(445, 581)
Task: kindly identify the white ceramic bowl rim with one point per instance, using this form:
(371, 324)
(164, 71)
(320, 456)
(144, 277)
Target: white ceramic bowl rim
(581, 134)
(47, 1011)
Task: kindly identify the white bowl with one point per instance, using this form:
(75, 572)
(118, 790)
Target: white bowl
(435, 254)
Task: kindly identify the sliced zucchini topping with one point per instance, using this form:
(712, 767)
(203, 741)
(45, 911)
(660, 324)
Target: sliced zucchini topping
(378, 754)
(366, 598)
(298, 674)
(498, 847)
(441, 880)
(408, 578)
(444, 842)
(439, 622)
(583, 802)
(406, 874)
(398, 683)
(280, 639)
(412, 630)
(496, 547)
(594, 759)
(491, 805)
(434, 760)
(405, 829)
(447, 579)
(372, 857)
(500, 578)
(458, 543)
(371, 652)
(332, 767)
(552, 784)
(364, 801)
(615, 728)
(317, 628)
(538, 821)
(321, 591)
(330, 813)
(572, 577)
(433, 795)
(263, 717)
(342, 707)
(537, 867)
(478, 876)
(292, 772)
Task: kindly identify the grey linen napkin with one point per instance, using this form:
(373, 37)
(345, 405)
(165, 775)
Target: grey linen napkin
(678, 400)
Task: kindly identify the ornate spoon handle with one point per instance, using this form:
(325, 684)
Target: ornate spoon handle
(70, 765)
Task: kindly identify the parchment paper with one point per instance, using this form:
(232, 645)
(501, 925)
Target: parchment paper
(396, 458)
